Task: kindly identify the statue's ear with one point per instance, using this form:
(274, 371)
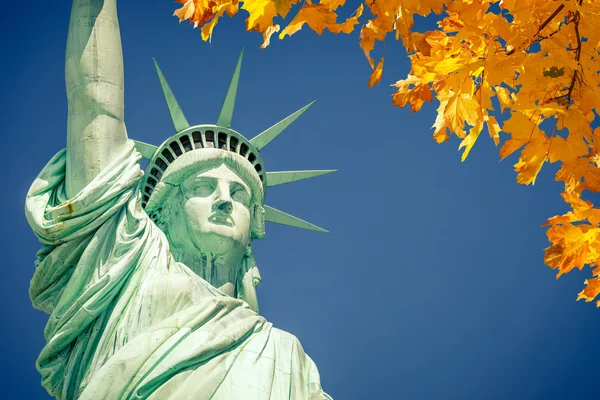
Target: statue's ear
(257, 227)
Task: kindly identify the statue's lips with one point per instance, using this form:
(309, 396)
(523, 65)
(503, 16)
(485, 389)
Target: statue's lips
(220, 218)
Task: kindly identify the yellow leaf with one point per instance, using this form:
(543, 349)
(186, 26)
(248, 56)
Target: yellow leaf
(575, 121)
(440, 126)
(532, 158)
(569, 149)
(283, 7)
(319, 17)
(404, 23)
(333, 4)
(493, 129)
(411, 91)
(261, 15)
(218, 12)
(430, 44)
(522, 130)
(582, 209)
(348, 25)
(470, 140)
(267, 35)
(559, 220)
(186, 11)
(205, 13)
(437, 6)
(572, 247)
(367, 38)
(579, 174)
(461, 108)
(207, 29)
(376, 74)
(505, 97)
(374, 30)
(591, 291)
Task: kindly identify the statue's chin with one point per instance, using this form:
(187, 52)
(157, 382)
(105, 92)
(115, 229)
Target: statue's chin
(222, 245)
(212, 242)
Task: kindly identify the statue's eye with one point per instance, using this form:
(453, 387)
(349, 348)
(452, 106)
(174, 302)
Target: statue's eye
(203, 188)
(240, 195)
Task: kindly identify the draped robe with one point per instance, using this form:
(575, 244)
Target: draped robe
(129, 322)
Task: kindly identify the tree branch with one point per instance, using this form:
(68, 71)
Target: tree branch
(566, 98)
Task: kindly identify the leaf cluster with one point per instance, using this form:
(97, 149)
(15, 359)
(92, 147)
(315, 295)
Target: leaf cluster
(527, 71)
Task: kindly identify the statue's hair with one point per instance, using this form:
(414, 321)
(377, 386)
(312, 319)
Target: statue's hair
(197, 162)
(258, 222)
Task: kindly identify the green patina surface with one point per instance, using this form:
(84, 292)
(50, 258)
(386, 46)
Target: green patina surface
(150, 279)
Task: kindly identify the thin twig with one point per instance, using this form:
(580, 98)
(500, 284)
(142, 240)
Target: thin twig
(575, 78)
(548, 36)
(536, 37)
(550, 18)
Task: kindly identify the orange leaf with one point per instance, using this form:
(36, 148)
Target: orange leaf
(592, 290)
(205, 13)
(572, 247)
(374, 30)
(376, 74)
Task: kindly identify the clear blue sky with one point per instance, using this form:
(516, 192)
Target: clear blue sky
(432, 283)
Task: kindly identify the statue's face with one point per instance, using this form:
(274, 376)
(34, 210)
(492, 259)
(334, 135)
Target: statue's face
(216, 214)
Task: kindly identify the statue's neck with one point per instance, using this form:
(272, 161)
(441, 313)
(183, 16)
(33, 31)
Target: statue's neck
(221, 276)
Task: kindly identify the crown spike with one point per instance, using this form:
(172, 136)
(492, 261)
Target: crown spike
(279, 178)
(279, 217)
(264, 138)
(179, 121)
(226, 113)
(146, 149)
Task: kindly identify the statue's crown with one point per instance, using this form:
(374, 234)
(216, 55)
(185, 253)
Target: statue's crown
(220, 136)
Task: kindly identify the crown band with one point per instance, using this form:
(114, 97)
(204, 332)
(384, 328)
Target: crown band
(194, 138)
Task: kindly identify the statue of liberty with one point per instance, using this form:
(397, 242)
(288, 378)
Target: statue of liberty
(149, 278)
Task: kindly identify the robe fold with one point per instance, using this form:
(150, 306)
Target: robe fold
(129, 322)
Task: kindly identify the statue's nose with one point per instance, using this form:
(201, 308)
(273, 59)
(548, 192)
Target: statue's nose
(224, 203)
(225, 206)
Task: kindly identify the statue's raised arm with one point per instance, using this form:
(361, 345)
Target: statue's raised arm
(96, 132)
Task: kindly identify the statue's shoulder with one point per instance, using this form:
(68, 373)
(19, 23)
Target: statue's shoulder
(286, 341)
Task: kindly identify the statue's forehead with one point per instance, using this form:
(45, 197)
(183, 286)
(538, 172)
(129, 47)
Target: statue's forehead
(222, 173)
